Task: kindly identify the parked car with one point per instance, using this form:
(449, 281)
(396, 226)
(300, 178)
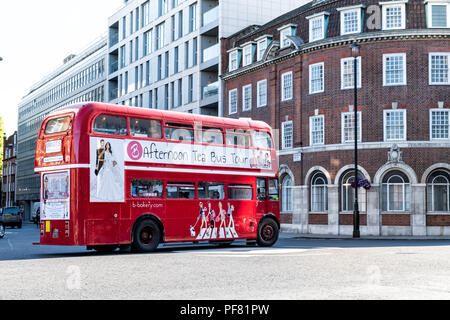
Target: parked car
(11, 216)
(2, 228)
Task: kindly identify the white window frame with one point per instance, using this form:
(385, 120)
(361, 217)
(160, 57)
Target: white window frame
(343, 115)
(247, 55)
(311, 66)
(430, 80)
(347, 10)
(260, 104)
(430, 4)
(285, 31)
(385, 56)
(160, 35)
(286, 194)
(285, 97)
(311, 120)
(431, 124)
(358, 72)
(385, 112)
(232, 109)
(283, 131)
(320, 190)
(317, 17)
(405, 191)
(231, 56)
(246, 107)
(393, 4)
(431, 188)
(259, 46)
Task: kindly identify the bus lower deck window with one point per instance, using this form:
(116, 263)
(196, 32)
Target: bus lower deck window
(180, 190)
(240, 192)
(146, 188)
(211, 190)
(273, 189)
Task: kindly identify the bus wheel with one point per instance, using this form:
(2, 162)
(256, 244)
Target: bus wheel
(267, 233)
(146, 236)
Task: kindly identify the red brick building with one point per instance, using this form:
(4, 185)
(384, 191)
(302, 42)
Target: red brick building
(296, 73)
(8, 198)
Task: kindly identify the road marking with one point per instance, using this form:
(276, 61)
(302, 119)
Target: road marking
(10, 245)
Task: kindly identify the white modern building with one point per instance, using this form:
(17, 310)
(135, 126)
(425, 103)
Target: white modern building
(80, 78)
(165, 54)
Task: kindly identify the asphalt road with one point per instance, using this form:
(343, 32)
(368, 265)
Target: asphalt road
(294, 268)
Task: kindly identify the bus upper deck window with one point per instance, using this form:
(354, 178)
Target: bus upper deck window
(262, 140)
(209, 135)
(145, 128)
(238, 138)
(179, 132)
(58, 125)
(110, 125)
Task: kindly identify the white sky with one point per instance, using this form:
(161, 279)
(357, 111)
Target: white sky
(36, 36)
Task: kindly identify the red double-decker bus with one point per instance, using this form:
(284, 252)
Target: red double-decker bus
(115, 176)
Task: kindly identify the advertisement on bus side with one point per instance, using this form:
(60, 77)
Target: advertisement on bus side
(200, 155)
(107, 170)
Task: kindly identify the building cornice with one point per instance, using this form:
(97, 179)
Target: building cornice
(369, 37)
(365, 146)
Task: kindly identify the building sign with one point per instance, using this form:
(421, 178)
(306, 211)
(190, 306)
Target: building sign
(197, 155)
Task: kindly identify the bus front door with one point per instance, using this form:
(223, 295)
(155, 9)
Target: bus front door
(261, 197)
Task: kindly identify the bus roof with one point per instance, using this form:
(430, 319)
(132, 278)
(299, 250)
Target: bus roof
(97, 107)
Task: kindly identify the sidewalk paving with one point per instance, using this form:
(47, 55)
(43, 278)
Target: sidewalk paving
(293, 235)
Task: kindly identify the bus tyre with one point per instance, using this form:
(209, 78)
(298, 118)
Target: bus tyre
(267, 233)
(146, 236)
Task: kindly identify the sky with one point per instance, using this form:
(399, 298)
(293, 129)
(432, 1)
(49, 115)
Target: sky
(36, 36)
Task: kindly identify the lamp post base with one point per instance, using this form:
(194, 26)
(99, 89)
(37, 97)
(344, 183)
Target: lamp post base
(355, 224)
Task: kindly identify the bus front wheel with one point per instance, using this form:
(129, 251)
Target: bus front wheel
(267, 233)
(146, 236)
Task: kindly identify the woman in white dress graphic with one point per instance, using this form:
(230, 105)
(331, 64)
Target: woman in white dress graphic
(109, 186)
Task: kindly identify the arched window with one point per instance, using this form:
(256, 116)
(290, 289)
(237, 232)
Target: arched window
(396, 192)
(438, 192)
(319, 196)
(348, 193)
(286, 194)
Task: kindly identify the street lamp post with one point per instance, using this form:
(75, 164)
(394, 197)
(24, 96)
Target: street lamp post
(354, 47)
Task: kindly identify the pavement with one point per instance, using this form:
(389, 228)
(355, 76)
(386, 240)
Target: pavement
(293, 235)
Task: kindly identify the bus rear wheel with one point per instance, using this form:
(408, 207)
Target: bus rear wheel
(146, 236)
(267, 233)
